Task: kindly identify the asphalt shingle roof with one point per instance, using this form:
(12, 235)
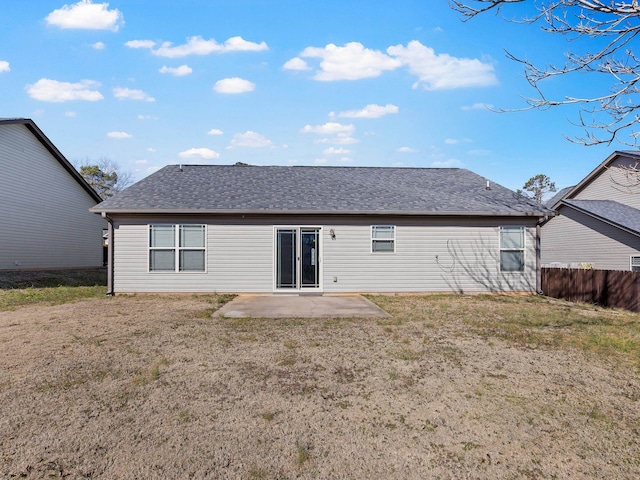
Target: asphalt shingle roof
(280, 189)
(558, 196)
(614, 212)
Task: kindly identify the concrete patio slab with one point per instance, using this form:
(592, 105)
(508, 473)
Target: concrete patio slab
(300, 306)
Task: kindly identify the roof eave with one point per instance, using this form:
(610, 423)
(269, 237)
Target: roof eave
(602, 219)
(179, 211)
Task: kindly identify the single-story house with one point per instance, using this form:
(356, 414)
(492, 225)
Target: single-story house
(45, 221)
(205, 228)
(598, 221)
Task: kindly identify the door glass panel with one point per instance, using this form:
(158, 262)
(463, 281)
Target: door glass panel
(309, 264)
(286, 277)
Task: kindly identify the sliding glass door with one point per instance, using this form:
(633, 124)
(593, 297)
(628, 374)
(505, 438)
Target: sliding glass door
(297, 258)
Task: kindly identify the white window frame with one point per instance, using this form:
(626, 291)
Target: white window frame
(634, 259)
(373, 239)
(522, 249)
(177, 248)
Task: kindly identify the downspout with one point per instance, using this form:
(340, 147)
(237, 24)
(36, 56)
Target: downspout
(109, 220)
(538, 256)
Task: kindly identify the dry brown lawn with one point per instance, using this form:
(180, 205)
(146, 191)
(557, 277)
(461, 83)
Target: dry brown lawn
(452, 387)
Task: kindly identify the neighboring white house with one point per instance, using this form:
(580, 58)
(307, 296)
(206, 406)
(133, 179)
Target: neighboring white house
(204, 228)
(45, 221)
(598, 222)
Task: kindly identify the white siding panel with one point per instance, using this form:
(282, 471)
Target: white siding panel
(574, 237)
(431, 256)
(44, 213)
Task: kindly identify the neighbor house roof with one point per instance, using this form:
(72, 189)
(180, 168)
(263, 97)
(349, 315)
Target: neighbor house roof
(42, 138)
(615, 213)
(316, 190)
(558, 196)
(554, 203)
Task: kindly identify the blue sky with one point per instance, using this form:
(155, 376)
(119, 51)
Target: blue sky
(340, 83)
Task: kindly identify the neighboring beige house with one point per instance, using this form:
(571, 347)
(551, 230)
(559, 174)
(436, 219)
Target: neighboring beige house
(45, 221)
(598, 222)
(205, 228)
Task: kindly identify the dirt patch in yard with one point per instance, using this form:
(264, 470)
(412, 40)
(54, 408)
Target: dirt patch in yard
(154, 387)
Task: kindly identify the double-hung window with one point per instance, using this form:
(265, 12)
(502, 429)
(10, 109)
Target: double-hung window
(176, 248)
(512, 249)
(383, 238)
(635, 264)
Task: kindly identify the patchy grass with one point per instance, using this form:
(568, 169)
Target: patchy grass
(11, 299)
(83, 277)
(53, 287)
(534, 321)
(483, 387)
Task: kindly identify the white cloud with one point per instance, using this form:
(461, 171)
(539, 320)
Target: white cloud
(141, 162)
(4, 66)
(234, 85)
(140, 44)
(71, 114)
(198, 46)
(450, 163)
(443, 72)
(250, 139)
(119, 135)
(48, 90)
(477, 106)
(336, 151)
(180, 71)
(151, 150)
(330, 128)
(351, 62)
(215, 131)
(129, 94)
(406, 150)
(98, 46)
(333, 132)
(147, 117)
(296, 64)
(341, 140)
(239, 44)
(86, 15)
(205, 153)
(456, 141)
(320, 161)
(354, 61)
(370, 111)
(153, 169)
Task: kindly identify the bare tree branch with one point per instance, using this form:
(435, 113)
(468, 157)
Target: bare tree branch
(610, 28)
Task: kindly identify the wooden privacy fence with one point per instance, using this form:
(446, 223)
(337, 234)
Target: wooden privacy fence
(608, 288)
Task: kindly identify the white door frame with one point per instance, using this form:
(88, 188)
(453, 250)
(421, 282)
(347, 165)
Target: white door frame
(298, 288)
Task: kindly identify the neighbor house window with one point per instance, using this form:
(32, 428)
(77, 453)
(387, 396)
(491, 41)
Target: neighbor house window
(512, 249)
(635, 264)
(176, 248)
(383, 238)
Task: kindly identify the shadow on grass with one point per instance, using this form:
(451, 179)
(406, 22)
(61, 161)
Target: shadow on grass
(85, 277)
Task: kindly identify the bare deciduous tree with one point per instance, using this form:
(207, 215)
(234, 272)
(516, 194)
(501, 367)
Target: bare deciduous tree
(610, 27)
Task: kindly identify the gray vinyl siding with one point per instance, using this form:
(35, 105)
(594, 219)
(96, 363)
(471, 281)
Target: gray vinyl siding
(433, 255)
(577, 238)
(610, 185)
(240, 255)
(44, 212)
